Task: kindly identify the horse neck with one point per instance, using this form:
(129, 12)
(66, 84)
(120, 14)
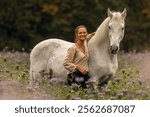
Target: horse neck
(99, 43)
(101, 34)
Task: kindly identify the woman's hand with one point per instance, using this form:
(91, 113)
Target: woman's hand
(89, 36)
(83, 70)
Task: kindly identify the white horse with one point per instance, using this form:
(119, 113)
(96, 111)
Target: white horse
(103, 48)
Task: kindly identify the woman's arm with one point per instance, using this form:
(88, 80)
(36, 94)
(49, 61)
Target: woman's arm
(68, 62)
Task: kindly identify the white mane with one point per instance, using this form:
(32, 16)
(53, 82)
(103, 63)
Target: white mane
(101, 32)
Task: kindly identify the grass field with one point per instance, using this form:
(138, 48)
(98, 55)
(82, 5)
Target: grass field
(128, 83)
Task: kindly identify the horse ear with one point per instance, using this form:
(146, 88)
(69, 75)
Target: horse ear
(124, 13)
(109, 13)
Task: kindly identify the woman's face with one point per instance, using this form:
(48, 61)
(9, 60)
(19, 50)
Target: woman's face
(81, 34)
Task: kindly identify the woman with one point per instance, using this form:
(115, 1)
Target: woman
(76, 60)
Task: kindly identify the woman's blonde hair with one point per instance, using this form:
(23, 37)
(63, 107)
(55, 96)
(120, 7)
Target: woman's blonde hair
(76, 31)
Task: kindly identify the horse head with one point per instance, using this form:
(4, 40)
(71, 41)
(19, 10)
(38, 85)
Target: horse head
(116, 28)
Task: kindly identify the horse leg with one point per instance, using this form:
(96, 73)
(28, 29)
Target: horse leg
(36, 74)
(104, 80)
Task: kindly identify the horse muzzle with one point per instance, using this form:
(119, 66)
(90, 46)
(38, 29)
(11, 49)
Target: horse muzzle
(114, 49)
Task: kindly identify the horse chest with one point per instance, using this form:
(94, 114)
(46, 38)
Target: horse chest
(102, 64)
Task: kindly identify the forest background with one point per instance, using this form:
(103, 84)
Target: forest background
(24, 23)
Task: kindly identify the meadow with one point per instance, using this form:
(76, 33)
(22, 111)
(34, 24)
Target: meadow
(128, 84)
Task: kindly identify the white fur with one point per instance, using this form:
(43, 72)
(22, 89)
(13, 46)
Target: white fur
(51, 53)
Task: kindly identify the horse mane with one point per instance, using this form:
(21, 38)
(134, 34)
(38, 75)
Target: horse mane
(101, 32)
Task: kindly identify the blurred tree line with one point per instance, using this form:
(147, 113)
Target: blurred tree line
(24, 23)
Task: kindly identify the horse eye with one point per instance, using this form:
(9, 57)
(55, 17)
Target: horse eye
(109, 27)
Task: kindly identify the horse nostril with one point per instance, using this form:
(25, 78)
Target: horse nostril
(114, 49)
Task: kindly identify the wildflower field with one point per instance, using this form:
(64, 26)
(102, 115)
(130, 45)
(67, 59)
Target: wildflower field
(132, 80)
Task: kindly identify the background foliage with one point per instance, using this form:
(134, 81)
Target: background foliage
(24, 23)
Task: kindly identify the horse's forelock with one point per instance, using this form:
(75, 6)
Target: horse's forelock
(117, 16)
